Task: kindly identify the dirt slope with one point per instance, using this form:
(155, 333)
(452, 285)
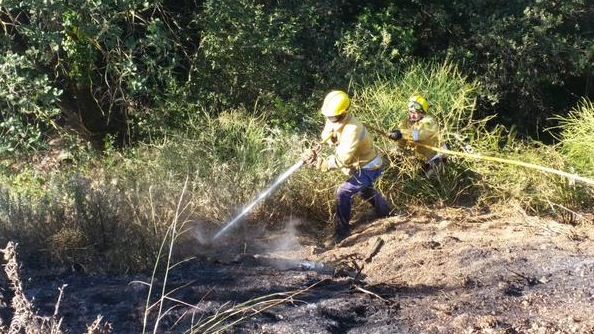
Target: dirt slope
(455, 271)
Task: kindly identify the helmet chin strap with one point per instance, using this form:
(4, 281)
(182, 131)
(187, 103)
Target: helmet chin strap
(420, 117)
(336, 126)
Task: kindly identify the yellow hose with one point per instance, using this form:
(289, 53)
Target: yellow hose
(543, 169)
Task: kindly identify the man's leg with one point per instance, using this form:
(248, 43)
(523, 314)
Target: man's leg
(372, 196)
(380, 205)
(344, 197)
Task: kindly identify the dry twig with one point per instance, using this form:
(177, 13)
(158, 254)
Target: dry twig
(25, 318)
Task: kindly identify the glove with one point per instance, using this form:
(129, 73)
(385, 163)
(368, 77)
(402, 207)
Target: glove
(322, 165)
(396, 135)
(334, 139)
(310, 157)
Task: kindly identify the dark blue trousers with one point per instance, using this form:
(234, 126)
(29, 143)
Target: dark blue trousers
(360, 182)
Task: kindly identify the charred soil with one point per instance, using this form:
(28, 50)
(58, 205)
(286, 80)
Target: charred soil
(439, 271)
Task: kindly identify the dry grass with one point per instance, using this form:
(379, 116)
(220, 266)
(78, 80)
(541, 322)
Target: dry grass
(25, 318)
(577, 137)
(231, 315)
(228, 314)
(112, 214)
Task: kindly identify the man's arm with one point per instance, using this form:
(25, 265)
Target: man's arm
(426, 130)
(350, 138)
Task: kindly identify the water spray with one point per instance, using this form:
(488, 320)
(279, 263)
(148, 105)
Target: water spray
(282, 178)
(261, 197)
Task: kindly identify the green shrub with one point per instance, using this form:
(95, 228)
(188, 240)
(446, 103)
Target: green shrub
(379, 41)
(382, 105)
(28, 105)
(577, 138)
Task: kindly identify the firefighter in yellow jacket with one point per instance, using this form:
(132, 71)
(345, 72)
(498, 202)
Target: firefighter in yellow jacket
(420, 128)
(355, 155)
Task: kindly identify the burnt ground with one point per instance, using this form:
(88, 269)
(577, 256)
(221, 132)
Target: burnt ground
(441, 271)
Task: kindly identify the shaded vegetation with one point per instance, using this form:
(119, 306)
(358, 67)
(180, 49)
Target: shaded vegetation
(107, 107)
(135, 69)
(108, 212)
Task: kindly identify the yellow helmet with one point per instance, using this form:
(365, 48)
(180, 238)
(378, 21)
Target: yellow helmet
(418, 102)
(336, 103)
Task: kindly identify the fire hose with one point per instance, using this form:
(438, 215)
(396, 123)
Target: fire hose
(570, 176)
(317, 148)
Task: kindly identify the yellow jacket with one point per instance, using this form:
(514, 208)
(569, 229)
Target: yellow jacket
(352, 142)
(424, 131)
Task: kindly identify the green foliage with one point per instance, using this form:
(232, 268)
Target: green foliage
(28, 105)
(577, 138)
(532, 55)
(377, 42)
(111, 59)
(78, 47)
(131, 69)
(262, 49)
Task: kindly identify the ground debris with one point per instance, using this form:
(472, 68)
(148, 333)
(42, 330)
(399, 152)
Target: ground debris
(491, 274)
(379, 243)
(529, 279)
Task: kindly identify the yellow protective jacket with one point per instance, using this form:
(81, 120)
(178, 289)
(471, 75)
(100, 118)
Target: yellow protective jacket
(424, 131)
(353, 146)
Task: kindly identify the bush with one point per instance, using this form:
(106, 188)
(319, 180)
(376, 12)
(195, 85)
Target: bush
(28, 105)
(452, 96)
(577, 138)
(111, 216)
(379, 41)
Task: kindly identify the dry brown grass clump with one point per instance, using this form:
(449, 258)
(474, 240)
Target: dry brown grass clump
(25, 318)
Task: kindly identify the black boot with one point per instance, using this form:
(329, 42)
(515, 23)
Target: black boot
(342, 232)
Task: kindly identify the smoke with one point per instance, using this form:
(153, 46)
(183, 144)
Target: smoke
(287, 240)
(199, 234)
(278, 247)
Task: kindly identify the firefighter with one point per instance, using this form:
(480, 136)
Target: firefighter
(355, 155)
(420, 127)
